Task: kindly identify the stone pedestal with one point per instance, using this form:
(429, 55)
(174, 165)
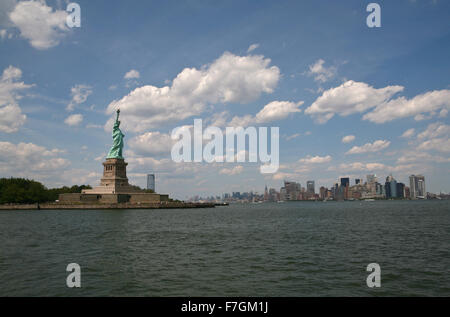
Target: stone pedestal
(114, 180)
(114, 173)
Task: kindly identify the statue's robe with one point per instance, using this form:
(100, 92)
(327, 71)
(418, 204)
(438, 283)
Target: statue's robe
(116, 149)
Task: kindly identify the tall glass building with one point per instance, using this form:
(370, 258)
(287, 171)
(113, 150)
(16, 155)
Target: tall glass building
(391, 187)
(151, 182)
(310, 187)
(417, 186)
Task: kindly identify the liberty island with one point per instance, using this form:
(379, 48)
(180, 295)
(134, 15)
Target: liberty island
(114, 191)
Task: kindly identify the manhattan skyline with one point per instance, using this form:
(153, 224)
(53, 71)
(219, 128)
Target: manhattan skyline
(349, 100)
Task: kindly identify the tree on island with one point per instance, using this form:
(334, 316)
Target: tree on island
(25, 191)
(143, 190)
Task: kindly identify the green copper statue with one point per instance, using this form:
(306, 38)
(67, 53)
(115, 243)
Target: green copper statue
(116, 149)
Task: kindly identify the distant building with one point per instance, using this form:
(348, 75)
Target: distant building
(345, 181)
(343, 190)
(335, 191)
(292, 190)
(417, 186)
(407, 192)
(380, 190)
(358, 181)
(273, 195)
(391, 187)
(400, 190)
(151, 182)
(323, 192)
(357, 191)
(310, 187)
(371, 178)
(283, 194)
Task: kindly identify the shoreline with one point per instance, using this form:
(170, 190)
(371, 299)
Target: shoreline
(58, 206)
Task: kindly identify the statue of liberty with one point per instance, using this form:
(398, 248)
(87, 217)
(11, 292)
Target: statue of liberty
(116, 149)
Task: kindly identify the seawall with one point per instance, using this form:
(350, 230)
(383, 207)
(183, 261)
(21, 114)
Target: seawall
(154, 205)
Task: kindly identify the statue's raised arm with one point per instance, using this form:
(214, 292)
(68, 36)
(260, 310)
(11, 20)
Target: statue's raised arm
(116, 149)
(117, 116)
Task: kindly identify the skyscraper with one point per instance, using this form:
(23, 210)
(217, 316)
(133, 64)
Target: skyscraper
(322, 192)
(380, 190)
(372, 178)
(345, 181)
(400, 190)
(391, 187)
(310, 187)
(292, 190)
(151, 182)
(343, 189)
(417, 186)
(387, 187)
(407, 192)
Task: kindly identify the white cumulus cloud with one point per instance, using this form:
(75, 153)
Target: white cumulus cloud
(419, 157)
(436, 137)
(369, 147)
(74, 120)
(426, 103)
(151, 143)
(434, 130)
(229, 79)
(132, 74)
(437, 144)
(372, 167)
(252, 47)
(11, 116)
(28, 159)
(79, 94)
(275, 110)
(358, 166)
(232, 171)
(320, 72)
(315, 159)
(39, 23)
(408, 133)
(348, 139)
(46, 165)
(349, 98)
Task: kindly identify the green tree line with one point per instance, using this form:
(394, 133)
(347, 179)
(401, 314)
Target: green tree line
(25, 191)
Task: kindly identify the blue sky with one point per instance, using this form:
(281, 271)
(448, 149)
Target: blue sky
(377, 84)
